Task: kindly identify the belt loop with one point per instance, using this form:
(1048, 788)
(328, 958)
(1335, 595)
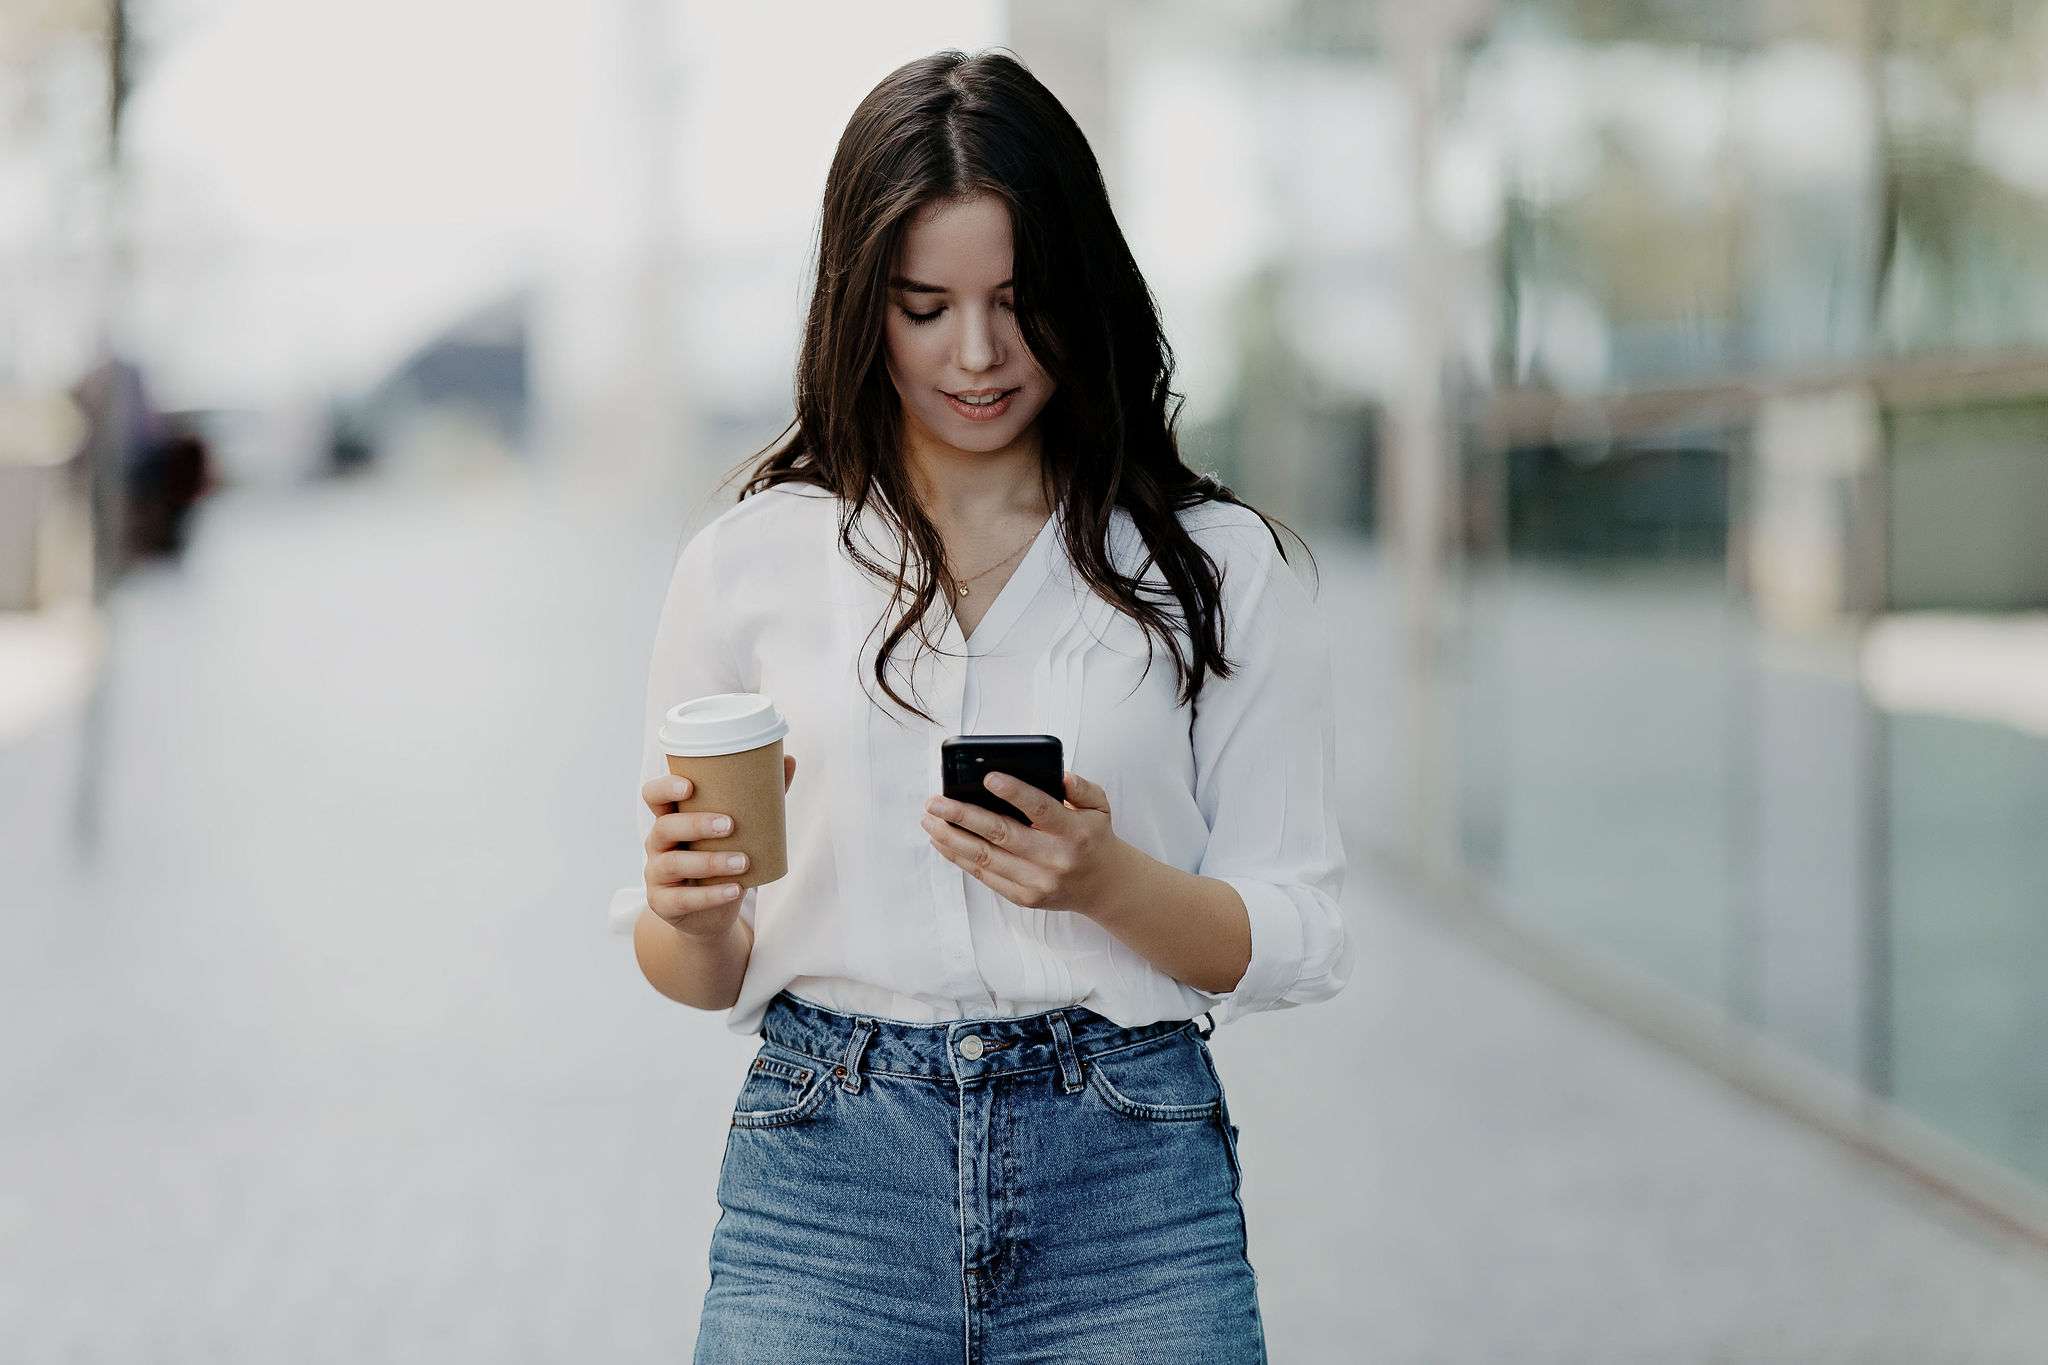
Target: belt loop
(1202, 1032)
(849, 1071)
(1063, 1044)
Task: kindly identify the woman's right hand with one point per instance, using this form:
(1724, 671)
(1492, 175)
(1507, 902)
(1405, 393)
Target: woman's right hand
(705, 911)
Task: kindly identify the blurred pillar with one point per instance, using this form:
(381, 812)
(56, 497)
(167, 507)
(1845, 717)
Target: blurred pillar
(108, 448)
(1816, 955)
(610, 389)
(1420, 466)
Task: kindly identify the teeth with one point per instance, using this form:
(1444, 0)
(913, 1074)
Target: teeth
(979, 402)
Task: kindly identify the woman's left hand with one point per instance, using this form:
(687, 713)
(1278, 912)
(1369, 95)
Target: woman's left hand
(1065, 859)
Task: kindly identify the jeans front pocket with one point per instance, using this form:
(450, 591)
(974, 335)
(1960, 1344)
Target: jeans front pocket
(1163, 1080)
(781, 1088)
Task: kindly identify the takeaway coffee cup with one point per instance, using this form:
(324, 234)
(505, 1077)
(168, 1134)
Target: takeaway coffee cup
(729, 745)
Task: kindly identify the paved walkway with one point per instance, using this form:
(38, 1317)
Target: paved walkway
(328, 1055)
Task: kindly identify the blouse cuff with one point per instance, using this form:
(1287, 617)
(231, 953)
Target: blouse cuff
(627, 903)
(1276, 951)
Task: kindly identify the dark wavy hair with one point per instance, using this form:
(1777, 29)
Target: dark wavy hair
(945, 128)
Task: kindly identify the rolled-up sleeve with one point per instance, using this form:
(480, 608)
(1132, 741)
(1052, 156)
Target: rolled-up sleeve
(1265, 779)
(691, 658)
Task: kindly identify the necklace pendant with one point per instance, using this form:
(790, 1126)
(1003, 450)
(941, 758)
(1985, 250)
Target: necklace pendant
(962, 590)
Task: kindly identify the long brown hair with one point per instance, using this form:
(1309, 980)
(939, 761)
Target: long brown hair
(947, 127)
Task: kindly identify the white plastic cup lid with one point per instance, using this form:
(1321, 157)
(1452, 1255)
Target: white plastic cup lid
(722, 723)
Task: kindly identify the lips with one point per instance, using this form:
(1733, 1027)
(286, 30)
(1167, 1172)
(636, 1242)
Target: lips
(983, 412)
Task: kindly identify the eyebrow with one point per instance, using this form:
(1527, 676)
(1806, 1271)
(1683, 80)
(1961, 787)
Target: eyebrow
(910, 286)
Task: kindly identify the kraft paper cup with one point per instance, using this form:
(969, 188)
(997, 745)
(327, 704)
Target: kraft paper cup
(729, 745)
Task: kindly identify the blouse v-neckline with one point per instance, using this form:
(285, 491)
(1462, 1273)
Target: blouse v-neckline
(1017, 590)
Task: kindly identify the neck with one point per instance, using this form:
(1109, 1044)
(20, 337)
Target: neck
(957, 486)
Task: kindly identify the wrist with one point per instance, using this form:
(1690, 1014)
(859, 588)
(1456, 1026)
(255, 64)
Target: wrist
(1122, 867)
(700, 927)
(704, 971)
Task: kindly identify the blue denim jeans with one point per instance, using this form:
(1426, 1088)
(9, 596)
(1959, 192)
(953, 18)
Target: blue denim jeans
(986, 1191)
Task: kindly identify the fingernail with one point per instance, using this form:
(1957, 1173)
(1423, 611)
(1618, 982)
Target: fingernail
(735, 861)
(731, 891)
(722, 824)
(682, 788)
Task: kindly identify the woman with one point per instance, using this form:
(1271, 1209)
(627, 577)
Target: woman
(982, 1124)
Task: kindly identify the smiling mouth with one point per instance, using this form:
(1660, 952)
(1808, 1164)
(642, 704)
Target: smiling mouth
(982, 398)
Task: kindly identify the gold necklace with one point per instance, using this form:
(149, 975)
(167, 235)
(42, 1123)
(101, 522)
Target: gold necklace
(961, 589)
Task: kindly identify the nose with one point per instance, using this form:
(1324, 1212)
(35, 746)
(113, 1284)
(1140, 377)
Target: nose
(980, 346)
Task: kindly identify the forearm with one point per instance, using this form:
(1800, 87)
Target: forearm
(704, 974)
(1195, 929)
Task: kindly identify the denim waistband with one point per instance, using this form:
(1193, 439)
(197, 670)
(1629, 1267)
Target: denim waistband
(959, 1049)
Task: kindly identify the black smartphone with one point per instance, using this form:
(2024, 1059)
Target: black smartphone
(966, 759)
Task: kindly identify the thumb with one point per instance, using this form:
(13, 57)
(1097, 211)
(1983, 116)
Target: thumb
(788, 770)
(1085, 794)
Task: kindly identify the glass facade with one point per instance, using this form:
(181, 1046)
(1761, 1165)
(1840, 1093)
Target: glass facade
(1667, 387)
(1747, 596)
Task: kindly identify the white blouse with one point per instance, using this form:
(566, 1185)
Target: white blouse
(871, 919)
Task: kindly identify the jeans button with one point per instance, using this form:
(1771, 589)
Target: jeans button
(970, 1047)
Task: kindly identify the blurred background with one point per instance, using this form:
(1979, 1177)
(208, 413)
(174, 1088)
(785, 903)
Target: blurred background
(1663, 388)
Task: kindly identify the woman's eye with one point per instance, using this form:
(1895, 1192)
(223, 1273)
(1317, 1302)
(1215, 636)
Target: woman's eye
(928, 317)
